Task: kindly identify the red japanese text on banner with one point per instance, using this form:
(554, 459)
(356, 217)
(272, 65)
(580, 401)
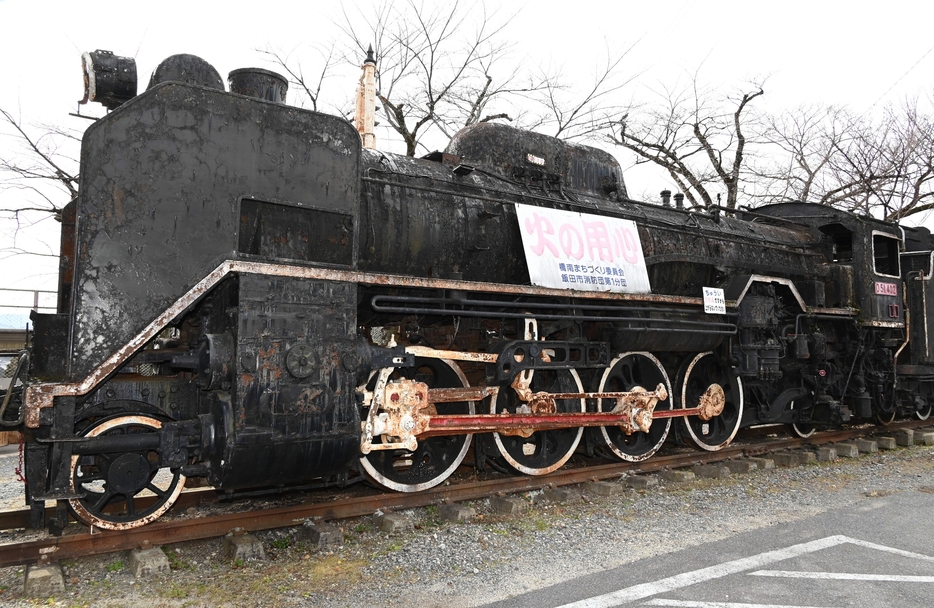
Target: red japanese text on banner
(570, 250)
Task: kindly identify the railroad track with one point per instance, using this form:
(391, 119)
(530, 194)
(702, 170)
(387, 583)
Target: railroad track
(94, 542)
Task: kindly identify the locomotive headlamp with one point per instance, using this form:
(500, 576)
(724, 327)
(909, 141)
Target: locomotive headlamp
(108, 79)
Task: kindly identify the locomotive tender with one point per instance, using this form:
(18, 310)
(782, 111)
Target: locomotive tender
(248, 296)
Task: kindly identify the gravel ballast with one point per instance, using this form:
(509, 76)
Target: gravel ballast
(492, 556)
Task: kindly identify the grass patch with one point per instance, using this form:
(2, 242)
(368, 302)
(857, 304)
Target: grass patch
(116, 566)
(175, 591)
(176, 562)
(333, 569)
(282, 543)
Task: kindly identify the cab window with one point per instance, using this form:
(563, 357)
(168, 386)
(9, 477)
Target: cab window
(842, 240)
(885, 255)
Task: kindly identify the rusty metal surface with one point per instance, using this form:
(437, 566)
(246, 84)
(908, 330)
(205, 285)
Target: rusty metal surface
(630, 404)
(431, 208)
(293, 410)
(166, 532)
(406, 412)
(451, 355)
(469, 393)
(504, 423)
(190, 497)
(711, 402)
(402, 411)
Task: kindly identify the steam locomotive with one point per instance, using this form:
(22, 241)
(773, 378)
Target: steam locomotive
(248, 296)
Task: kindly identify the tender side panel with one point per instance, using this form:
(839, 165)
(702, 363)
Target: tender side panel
(163, 179)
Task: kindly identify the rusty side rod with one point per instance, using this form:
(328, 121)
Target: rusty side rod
(464, 424)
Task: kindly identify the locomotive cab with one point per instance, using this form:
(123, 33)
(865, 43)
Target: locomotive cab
(855, 247)
(864, 264)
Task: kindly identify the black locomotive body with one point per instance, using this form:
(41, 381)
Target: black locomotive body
(248, 296)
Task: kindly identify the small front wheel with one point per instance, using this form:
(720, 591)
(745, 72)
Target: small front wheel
(123, 490)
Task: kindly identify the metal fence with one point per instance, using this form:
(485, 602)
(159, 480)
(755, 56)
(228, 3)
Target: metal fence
(41, 299)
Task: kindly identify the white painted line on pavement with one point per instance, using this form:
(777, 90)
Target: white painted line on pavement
(869, 545)
(845, 576)
(692, 604)
(638, 592)
(686, 579)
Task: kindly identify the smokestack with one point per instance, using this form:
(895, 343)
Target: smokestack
(365, 116)
(666, 198)
(679, 201)
(258, 83)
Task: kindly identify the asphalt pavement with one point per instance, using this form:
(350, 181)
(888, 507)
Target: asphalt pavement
(879, 554)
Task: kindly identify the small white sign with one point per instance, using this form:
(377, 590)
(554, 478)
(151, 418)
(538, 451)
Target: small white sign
(570, 250)
(714, 302)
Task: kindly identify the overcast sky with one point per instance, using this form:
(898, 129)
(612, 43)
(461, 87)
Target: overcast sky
(859, 55)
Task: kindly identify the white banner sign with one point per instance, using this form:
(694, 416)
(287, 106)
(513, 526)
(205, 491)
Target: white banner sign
(571, 250)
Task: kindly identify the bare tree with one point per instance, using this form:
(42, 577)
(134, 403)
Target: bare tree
(443, 67)
(917, 186)
(882, 167)
(41, 160)
(803, 145)
(488, 93)
(889, 169)
(576, 112)
(310, 86)
(695, 135)
(436, 64)
(38, 176)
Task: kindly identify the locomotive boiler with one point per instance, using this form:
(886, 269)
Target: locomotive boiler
(248, 296)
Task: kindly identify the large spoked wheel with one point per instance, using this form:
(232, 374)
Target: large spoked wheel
(924, 413)
(544, 451)
(695, 376)
(886, 418)
(126, 489)
(436, 458)
(800, 429)
(885, 409)
(628, 371)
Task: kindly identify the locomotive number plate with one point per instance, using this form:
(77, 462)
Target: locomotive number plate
(886, 289)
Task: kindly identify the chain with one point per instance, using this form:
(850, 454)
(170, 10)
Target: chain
(19, 467)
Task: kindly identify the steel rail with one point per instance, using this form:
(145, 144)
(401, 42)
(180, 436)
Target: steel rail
(182, 530)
